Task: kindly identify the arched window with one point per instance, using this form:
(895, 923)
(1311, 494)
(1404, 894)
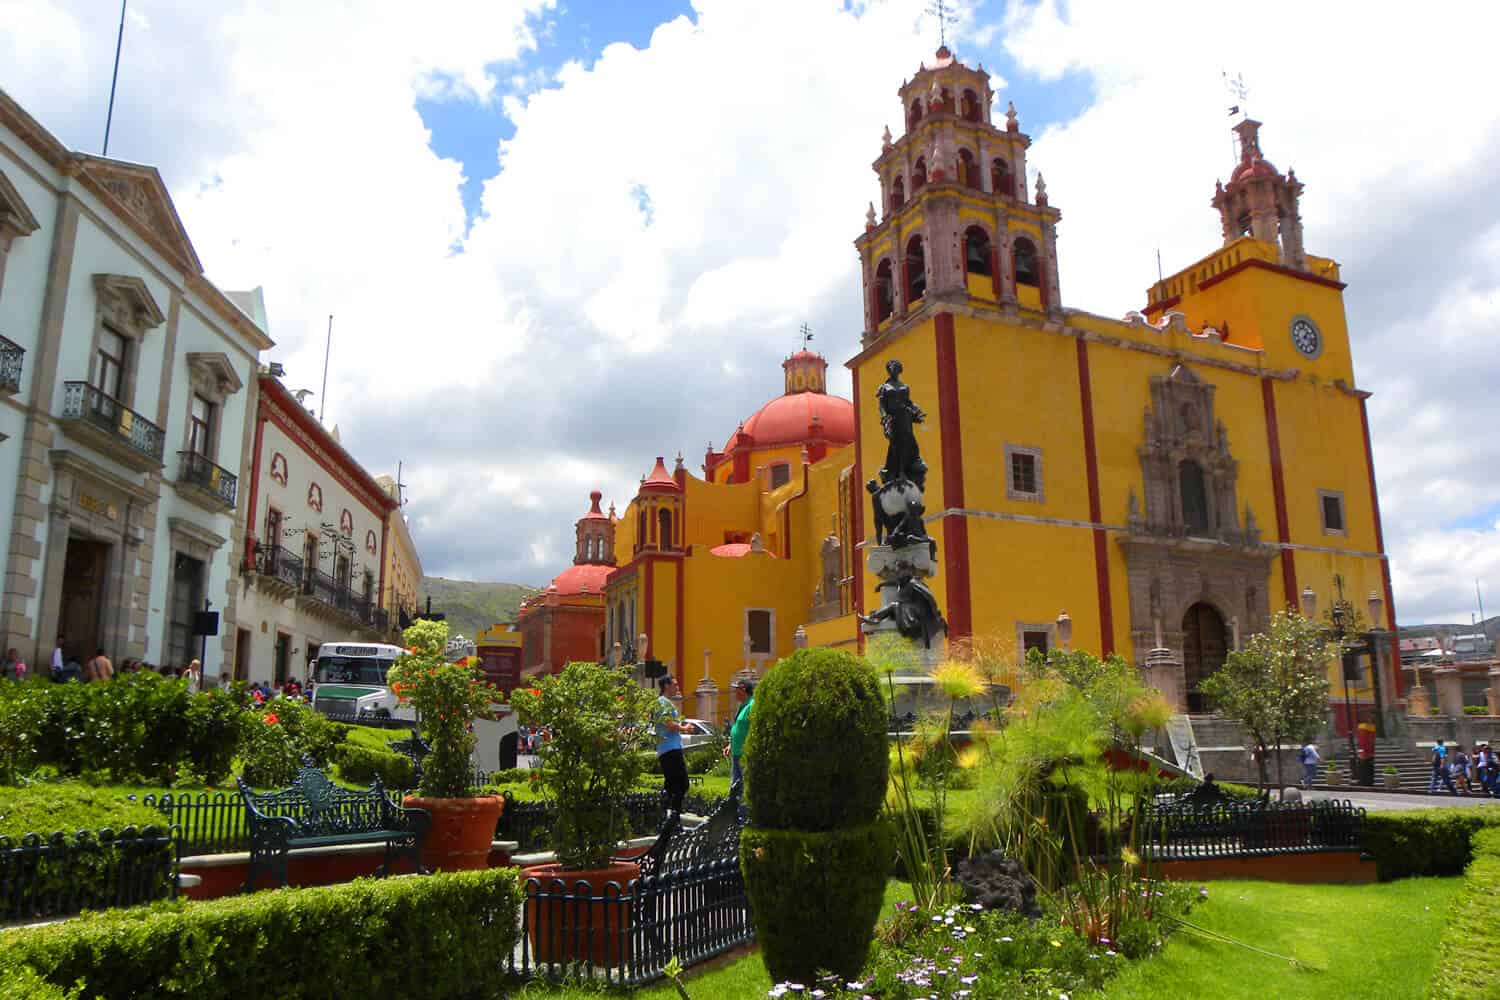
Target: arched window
(885, 302)
(781, 474)
(914, 115)
(1026, 269)
(976, 251)
(916, 270)
(664, 528)
(969, 106)
(1000, 178)
(1194, 497)
(640, 528)
(898, 194)
(968, 169)
(918, 174)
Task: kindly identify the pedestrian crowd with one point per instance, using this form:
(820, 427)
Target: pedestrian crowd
(1476, 772)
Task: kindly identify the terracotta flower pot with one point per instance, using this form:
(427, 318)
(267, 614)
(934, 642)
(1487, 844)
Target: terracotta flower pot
(585, 928)
(461, 833)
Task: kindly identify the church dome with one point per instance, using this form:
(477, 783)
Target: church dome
(585, 578)
(800, 417)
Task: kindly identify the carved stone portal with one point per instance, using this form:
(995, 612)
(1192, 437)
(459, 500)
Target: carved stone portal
(1196, 575)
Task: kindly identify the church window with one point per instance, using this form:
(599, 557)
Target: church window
(781, 474)
(640, 528)
(968, 169)
(918, 174)
(916, 270)
(758, 630)
(884, 291)
(898, 194)
(664, 528)
(1243, 225)
(976, 251)
(1000, 178)
(1025, 259)
(1194, 497)
(1032, 635)
(1023, 473)
(969, 106)
(914, 116)
(1332, 504)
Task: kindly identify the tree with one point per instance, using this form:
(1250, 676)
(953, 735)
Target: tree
(1277, 686)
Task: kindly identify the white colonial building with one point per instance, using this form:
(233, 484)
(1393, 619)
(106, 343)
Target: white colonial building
(318, 529)
(126, 383)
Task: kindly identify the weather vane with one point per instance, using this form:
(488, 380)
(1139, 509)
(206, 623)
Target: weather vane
(1239, 90)
(943, 11)
(807, 335)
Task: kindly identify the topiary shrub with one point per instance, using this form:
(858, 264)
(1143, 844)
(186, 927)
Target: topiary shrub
(816, 855)
(361, 765)
(816, 754)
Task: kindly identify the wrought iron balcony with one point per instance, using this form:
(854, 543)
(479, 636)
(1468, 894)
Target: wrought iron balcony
(109, 425)
(279, 566)
(11, 356)
(217, 484)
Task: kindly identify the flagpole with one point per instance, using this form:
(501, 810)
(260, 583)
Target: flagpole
(327, 349)
(114, 79)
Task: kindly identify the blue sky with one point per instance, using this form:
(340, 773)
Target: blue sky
(471, 131)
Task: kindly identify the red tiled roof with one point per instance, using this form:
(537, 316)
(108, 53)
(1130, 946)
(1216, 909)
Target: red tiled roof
(734, 550)
(585, 578)
(660, 479)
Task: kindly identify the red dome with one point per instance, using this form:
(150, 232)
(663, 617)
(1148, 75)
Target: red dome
(582, 579)
(788, 420)
(1257, 167)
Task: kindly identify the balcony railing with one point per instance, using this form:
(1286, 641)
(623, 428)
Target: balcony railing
(11, 355)
(85, 403)
(200, 472)
(322, 587)
(282, 564)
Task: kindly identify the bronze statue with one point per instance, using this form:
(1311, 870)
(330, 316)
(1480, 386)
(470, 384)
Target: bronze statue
(915, 612)
(898, 418)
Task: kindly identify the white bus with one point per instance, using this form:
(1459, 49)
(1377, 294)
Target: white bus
(350, 680)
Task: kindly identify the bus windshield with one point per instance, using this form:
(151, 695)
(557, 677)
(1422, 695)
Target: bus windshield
(352, 670)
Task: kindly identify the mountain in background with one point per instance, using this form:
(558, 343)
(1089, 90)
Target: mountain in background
(472, 607)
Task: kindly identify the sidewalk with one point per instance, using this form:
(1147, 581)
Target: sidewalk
(1373, 799)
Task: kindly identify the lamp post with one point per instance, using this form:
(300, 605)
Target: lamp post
(1065, 631)
(1376, 608)
(1309, 609)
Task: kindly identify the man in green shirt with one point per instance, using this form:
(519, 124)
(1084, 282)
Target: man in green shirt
(744, 696)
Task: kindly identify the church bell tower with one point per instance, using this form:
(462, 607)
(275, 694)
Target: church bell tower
(956, 221)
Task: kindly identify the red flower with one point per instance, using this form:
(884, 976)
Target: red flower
(271, 719)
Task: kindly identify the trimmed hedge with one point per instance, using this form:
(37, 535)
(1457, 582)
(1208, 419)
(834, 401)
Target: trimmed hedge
(69, 807)
(360, 765)
(435, 936)
(816, 896)
(1425, 841)
(816, 755)
(1466, 967)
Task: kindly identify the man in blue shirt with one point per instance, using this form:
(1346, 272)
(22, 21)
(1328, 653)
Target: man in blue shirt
(1440, 769)
(669, 732)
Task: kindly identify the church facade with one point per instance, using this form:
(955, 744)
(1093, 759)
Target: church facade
(1161, 481)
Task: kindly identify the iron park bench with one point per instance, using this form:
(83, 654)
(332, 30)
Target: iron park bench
(314, 812)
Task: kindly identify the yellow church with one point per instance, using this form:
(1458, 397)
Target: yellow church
(1158, 481)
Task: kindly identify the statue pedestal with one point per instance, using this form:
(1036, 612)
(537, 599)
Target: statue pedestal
(1418, 704)
(1450, 688)
(1162, 672)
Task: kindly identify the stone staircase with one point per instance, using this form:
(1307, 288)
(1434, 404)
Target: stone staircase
(1412, 762)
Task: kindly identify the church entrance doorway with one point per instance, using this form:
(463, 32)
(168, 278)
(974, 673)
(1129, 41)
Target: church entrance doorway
(82, 606)
(1205, 645)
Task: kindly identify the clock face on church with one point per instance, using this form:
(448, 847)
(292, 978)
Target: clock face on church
(1306, 337)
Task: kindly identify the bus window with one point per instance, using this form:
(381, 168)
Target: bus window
(352, 670)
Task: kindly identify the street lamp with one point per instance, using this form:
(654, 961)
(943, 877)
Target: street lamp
(1064, 630)
(1309, 609)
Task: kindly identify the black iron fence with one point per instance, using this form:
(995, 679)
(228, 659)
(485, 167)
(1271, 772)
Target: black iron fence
(82, 401)
(11, 357)
(1242, 829)
(625, 935)
(283, 564)
(59, 875)
(207, 823)
(198, 470)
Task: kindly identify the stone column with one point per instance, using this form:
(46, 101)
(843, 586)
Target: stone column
(1418, 704)
(1450, 691)
(708, 695)
(1492, 694)
(1164, 672)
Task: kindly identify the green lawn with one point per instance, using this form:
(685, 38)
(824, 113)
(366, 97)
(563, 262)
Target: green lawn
(1374, 941)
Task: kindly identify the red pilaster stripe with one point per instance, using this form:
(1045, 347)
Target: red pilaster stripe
(1101, 537)
(252, 526)
(681, 650)
(1385, 565)
(857, 512)
(955, 529)
(1278, 488)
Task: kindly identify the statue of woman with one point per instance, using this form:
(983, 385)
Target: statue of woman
(898, 417)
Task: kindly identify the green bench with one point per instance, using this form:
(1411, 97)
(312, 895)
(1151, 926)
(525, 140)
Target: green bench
(315, 812)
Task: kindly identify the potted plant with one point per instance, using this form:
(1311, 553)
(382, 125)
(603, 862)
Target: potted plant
(448, 697)
(1392, 776)
(596, 721)
(1335, 776)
